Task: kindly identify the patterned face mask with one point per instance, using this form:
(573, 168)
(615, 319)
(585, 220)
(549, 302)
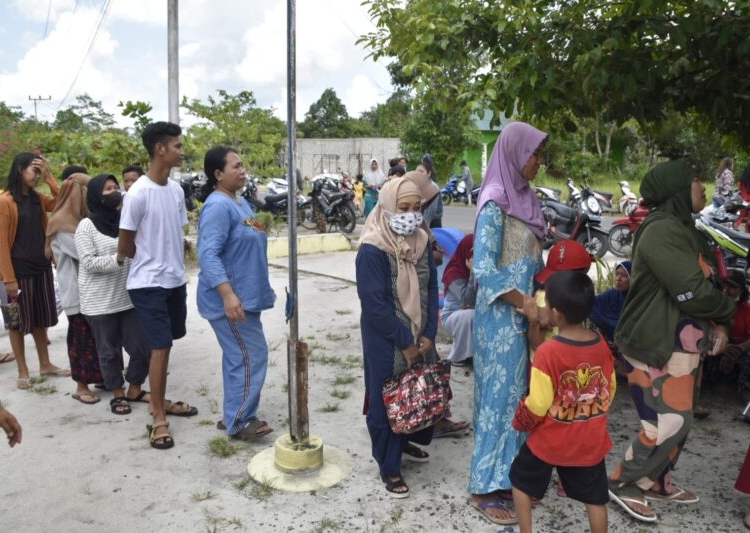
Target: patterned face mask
(405, 223)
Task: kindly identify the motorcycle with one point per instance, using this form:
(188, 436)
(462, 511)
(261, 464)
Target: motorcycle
(455, 191)
(191, 183)
(581, 223)
(732, 247)
(329, 209)
(604, 198)
(276, 204)
(628, 201)
(620, 238)
(547, 193)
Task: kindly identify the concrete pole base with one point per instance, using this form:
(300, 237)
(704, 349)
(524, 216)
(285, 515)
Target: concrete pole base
(294, 468)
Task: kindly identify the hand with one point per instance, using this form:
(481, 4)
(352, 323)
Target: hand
(529, 309)
(11, 427)
(719, 340)
(411, 354)
(233, 308)
(11, 287)
(470, 263)
(425, 345)
(544, 317)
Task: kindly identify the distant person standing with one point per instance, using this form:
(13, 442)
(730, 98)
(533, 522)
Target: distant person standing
(153, 215)
(468, 181)
(374, 179)
(724, 181)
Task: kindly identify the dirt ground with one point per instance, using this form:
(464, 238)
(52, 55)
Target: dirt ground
(81, 468)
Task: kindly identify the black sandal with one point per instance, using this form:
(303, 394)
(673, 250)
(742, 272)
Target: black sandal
(392, 486)
(119, 405)
(417, 455)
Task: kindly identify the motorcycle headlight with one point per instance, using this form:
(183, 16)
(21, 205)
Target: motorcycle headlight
(593, 205)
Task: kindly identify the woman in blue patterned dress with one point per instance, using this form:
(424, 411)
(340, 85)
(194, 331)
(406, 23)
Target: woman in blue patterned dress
(507, 255)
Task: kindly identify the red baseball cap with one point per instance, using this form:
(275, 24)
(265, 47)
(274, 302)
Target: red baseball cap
(565, 255)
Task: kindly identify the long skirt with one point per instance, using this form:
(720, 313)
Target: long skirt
(37, 301)
(84, 361)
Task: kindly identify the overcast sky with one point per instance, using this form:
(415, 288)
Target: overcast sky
(224, 44)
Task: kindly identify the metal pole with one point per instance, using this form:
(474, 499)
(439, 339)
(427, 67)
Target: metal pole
(296, 351)
(173, 59)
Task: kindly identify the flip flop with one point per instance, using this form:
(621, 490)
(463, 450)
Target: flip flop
(495, 504)
(7, 357)
(140, 397)
(678, 496)
(56, 373)
(185, 409)
(416, 455)
(392, 484)
(81, 398)
(455, 427)
(253, 430)
(119, 405)
(625, 501)
(23, 383)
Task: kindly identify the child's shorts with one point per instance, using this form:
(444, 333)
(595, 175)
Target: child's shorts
(162, 313)
(586, 484)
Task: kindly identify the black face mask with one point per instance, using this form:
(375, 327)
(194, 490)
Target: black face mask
(112, 200)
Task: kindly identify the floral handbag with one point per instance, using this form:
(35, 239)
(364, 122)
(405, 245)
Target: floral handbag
(11, 314)
(418, 397)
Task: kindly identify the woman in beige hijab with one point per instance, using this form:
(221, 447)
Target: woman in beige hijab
(397, 288)
(69, 211)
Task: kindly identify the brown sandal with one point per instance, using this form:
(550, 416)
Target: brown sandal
(162, 442)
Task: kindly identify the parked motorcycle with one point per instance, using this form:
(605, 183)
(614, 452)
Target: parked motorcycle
(191, 183)
(734, 245)
(455, 191)
(547, 193)
(604, 198)
(328, 209)
(628, 201)
(620, 239)
(582, 223)
(276, 204)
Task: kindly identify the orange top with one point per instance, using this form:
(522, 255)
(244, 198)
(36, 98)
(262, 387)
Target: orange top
(9, 225)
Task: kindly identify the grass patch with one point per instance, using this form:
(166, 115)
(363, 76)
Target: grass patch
(221, 447)
(206, 422)
(330, 408)
(334, 337)
(273, 346)
(344, 380)
(261, 490)
(243, 483)
(44, 390)
(203, 496)
(340, 394)
(343, 311)
(215, 523)
(327, 524)
(202, 389)
(334, 360)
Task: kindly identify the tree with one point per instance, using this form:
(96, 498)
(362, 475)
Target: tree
(138, 111)
(86, 114)
(614, 60)
(236, 121)
(326, 118)
(388, 119)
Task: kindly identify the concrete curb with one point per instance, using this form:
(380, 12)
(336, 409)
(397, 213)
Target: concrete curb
(309, 244)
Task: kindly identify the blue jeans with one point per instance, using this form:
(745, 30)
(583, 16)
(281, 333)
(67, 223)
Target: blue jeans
(244, 365)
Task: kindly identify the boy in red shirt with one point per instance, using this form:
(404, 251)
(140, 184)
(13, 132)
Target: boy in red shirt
(570, 392)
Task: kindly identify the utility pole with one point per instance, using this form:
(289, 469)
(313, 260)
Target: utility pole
(174, 62)
(38, 99)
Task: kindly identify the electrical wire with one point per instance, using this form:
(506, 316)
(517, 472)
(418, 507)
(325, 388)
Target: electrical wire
(100, 22)
(46, 24)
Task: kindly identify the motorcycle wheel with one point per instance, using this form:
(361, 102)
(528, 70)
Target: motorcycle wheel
(620, 240)
(596, 245)
(447, 198)
(346, 218)
(306, 217)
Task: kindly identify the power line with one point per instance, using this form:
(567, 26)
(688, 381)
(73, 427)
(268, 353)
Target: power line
(100, 22)
(46, 24)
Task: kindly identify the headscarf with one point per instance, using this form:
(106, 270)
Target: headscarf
(106, 221)
(406, 250)
(428, 189)
(374, 177)
(666, 191)
(503, 182)
(456, 267)
(70, 208)
(627, 265)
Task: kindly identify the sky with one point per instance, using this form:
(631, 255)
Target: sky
(52, 48)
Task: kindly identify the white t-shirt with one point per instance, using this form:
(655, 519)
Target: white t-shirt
(157, 214)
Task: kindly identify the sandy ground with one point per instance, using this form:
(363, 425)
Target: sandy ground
(81, 468)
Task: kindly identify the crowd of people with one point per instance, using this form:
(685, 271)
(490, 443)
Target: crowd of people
(545, 349)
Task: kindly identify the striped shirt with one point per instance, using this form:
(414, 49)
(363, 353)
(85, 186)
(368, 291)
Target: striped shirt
(101, 281)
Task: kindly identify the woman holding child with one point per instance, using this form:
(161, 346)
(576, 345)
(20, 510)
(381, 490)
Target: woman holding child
(674, 314)
(507, 255)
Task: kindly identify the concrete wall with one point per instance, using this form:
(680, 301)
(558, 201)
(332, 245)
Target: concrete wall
(315, 156)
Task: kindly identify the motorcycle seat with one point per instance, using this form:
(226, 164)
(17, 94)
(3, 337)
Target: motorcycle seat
(565, 212)
(275, 198)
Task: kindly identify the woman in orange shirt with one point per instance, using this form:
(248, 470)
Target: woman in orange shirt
(25, 267)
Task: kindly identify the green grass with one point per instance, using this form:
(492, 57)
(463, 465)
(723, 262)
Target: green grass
(202, 389)
(328, 524)
(344, 380)
(334, 337)
(340, 394)
(261, 490)
(221, 447)
(343, 311)
(330, 408)
(206, 422)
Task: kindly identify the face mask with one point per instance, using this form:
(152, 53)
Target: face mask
(112, 200)
(405, 223)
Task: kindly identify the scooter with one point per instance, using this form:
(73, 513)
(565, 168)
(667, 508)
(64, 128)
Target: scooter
(547, 193)
(330, 210)
(455, 191)
(582, 223)
(628, 201)
(604, 198)
(276, 204)
(620, 238)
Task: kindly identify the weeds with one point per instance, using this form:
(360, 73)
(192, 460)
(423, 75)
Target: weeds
(206, 422)
(343, 311)
(215, 523)
(202, 389)
(243, 483)
(44, 389)
(221, 447)
(333, 337)
(340, 394)
(330, 408)
(344, 380)
(327, 524)
(213, 405)
(261, 490)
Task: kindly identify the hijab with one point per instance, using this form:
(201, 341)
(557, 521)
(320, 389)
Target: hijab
(456, 267)
(70, 208)
(626, 265)
(428, 189)
(374, 177)
(503, 182)
(106, 220)
(405, 249)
